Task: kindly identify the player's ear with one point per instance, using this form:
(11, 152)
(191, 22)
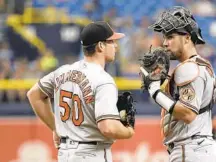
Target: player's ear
(101, 46)
(187, 38)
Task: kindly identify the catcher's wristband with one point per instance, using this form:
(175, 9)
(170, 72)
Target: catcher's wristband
(164, 101)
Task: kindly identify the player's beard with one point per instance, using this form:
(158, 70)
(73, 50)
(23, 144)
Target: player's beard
(172, 55)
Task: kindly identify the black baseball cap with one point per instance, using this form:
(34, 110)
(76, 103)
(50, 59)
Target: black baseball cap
(98, 31)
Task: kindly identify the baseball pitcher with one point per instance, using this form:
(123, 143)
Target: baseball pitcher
(88, 113)
(188, 99)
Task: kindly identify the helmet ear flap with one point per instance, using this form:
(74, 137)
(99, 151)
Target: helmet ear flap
(195, 33)
(199, 37)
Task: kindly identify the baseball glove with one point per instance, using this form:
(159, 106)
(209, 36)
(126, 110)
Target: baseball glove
(156, 62)
(126, 109)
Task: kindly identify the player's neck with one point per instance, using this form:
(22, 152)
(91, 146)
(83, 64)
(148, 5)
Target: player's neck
(96, 60)
(188, 53)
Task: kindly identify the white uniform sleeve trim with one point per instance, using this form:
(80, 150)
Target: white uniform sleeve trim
(106, 84)
(117, 117)
(44, 90)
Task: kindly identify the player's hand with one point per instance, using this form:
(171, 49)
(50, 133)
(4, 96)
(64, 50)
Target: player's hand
(151, 85)
(131, 131)
(56, 139)
(154, 66)
(126, 108)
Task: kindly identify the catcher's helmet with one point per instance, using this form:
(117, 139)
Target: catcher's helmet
(180, 20)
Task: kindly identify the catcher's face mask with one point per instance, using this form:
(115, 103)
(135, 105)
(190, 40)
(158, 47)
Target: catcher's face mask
(179, 20)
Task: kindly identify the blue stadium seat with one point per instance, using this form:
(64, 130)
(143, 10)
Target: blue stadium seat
(136, 8)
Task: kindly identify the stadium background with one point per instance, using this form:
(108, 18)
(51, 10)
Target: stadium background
(37, 36)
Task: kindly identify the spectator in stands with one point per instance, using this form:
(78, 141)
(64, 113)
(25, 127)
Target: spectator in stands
(114, 68)
(48, 61)
(6, 52)
(183, 2)
(34, 70)
(208, 52)
(21, 68)
(127, 46)
(138, 42)
(204, 8)
(6, 72)
(110, 16)
(50, 14)
(94, 10)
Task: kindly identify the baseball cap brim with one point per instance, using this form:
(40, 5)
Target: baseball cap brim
(116, 36)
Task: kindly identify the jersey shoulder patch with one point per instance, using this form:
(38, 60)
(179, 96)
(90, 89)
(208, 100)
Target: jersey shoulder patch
(186, 72)
(187, 93)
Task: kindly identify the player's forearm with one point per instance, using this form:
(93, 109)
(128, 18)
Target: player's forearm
(181, 112)
(122, 133)
(119, 131)
(178, 110)
(43, 110)
(115, 129)
(41, 106)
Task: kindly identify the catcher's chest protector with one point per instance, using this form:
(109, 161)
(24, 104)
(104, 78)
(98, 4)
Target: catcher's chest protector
(181, 80)
(173, 89)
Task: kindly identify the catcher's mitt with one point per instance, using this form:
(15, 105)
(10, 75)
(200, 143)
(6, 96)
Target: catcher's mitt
(126, 109)
(156, 62)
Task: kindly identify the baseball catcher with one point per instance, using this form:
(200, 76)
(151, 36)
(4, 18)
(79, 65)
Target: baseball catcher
(186, 103)
(156, 63)
(126, 109)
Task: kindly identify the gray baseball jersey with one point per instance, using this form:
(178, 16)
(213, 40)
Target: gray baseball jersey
(83, 95)
(192, 84)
